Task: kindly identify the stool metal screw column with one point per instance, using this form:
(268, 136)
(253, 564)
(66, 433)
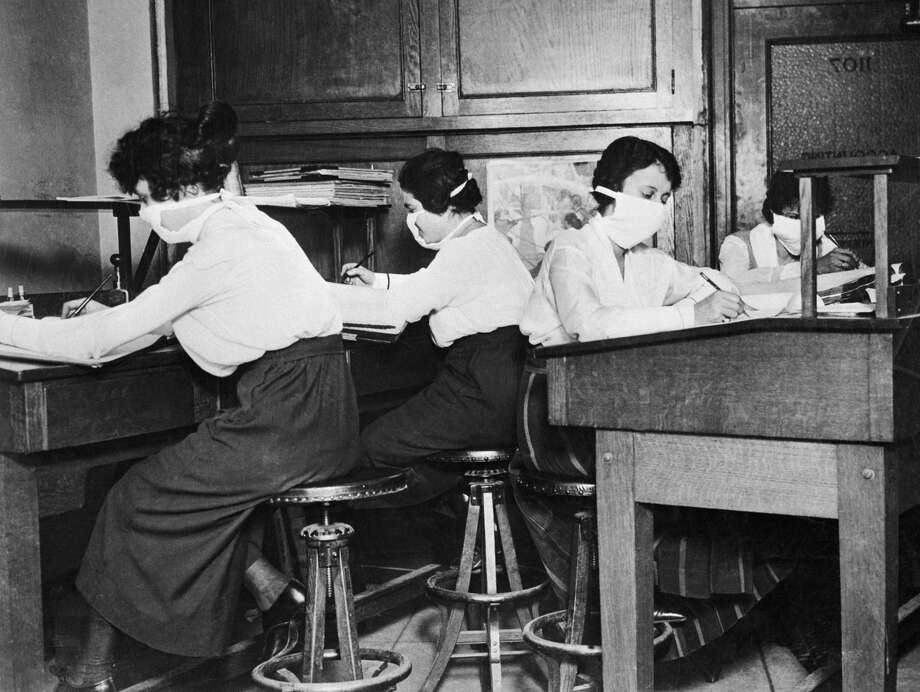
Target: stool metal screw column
(486, 504)
(327, 566)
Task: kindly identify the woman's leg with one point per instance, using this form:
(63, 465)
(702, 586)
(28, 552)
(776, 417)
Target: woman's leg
(93, 664)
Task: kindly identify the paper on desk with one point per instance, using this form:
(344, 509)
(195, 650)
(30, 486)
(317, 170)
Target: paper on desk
(794, 284)
(846, 308)
(138, 344)
(762, 305)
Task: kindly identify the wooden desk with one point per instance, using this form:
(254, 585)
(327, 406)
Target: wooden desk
(58, 421)
(806, 417)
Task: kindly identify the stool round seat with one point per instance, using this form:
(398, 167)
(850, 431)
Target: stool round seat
(546, 484)
(474, 457)
(275, 674)
(360, 485)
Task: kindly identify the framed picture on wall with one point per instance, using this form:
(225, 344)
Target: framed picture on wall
(531, 199)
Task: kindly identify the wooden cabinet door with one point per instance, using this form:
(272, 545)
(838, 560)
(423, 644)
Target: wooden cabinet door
(536, 56)
(304, 59)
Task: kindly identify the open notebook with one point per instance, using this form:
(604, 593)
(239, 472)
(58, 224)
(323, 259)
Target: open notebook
(138, 344)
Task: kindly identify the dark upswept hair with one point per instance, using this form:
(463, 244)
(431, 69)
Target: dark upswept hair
(623, 157)
(430, 177)
(170, 151)
(783, 193)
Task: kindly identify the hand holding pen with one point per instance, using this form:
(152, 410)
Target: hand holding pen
(356, 274)
(721, 306)
(69, 311)
(837, 260)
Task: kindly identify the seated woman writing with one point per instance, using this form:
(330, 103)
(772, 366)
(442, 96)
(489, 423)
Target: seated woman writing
(473, 293)
(172, 543)
(770, 251)
(603, 281)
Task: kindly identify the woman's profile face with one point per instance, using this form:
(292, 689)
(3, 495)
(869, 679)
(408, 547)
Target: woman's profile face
(650, 183)
(431, 227)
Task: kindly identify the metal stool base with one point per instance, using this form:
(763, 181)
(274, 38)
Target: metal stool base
(275, 674)
(486, 505)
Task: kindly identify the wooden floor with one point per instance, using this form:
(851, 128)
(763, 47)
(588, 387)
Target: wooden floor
(757, 663)
(413, 630)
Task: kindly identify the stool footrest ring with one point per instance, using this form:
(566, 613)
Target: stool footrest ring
(441, 593)
(397, 668)
(560, 650)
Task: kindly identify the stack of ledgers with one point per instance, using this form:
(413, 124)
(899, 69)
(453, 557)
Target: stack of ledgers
(310, 186)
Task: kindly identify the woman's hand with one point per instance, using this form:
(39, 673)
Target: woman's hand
(357, 276)
(71, 305)
(720, 306)
(837, 260)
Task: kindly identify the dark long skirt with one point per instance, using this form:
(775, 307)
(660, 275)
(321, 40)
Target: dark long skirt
(470, 403)
(719, 565)
(167, 555)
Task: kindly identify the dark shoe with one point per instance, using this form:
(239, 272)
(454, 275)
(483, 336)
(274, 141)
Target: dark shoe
(107, 684)
(670, 609)
(672, 617)
(284, 621)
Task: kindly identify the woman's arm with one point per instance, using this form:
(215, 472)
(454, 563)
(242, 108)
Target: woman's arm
(96, 334)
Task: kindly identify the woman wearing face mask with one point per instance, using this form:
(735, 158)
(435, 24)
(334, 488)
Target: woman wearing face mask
(172, 543)
(770, 251)
(473, 292)
(603, 281)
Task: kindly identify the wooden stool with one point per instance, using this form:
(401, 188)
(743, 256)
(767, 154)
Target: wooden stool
(571, 621)
(328, 576)
(486, 470)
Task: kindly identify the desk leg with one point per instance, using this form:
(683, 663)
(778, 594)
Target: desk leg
(21, 635)
(624, 536)
(868, 515)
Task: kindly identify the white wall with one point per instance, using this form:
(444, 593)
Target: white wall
(123, 94)
(46, 144)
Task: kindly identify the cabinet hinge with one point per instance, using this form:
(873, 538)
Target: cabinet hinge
(673, 81)
(417, 87)
(446, 86)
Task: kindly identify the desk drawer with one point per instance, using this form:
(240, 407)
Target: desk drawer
(102, 405)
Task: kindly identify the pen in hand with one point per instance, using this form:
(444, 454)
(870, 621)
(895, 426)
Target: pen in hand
(77, 310)
(744, 306)
(359, 263)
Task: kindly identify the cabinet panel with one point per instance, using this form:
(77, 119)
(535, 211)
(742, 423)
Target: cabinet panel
(520, 56)
(313, 59)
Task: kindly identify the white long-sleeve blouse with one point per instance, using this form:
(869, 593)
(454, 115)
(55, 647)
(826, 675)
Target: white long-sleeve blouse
(474, 285)
(753, 256)
(580, 294)
(243, 288)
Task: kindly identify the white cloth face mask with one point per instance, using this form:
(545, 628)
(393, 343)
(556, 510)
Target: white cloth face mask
(188, 232)
(412, 225)
(789, 232)
(634, 219)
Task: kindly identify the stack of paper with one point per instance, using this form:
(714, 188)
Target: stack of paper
(350, 187)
